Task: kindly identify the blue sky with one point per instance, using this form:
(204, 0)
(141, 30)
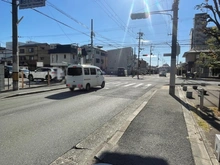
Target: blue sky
(111, 22)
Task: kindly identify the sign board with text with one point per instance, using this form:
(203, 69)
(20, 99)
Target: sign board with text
(25, 4)
(40, 64)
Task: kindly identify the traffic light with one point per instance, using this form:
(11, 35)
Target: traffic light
(139, 15)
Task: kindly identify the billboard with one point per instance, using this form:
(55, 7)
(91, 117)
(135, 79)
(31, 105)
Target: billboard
(25, 4)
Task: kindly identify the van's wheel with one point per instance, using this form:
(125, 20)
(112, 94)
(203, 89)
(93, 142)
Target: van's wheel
(30, 77)
(87, 87)
(71, 89)
(103, 84)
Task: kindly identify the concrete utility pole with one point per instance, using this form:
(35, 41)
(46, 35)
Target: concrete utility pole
(150, 57)
(174, 48)
(92, 50)
(139, 50)
(15, 76)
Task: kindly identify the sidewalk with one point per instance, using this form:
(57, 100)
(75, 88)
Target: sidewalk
(37, 88)
(163, 133)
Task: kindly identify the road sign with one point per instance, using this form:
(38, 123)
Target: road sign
(167, 54)
(25, 4)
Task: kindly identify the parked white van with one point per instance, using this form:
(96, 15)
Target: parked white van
(84, 77)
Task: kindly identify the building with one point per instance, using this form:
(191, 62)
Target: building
(197, 43)
(197, 37)
(94, 56)
(123, 58)
(30, 54)
(63, 55)
(6, 55)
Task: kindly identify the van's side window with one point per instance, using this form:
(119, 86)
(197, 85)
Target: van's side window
(93, 71)
(86, 71)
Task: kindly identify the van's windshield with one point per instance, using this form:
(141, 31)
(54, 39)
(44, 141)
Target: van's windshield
(74, 71)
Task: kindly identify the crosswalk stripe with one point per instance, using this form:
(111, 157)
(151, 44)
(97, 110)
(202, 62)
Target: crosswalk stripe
(138, 85)
(129, 84)
(148, 85)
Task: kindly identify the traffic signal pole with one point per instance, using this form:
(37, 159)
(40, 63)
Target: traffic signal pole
(174, 50)
(174, 38)
(140, 34)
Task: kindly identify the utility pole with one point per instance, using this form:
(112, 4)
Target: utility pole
(150, 56)
(174, 50)
(139, 50)
(92, 50)
(158, 60)
(15, 76)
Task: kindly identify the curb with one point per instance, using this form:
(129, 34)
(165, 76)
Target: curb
(28, 92)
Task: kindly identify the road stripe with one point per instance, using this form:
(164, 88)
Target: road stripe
(129, 84)
(138, 85)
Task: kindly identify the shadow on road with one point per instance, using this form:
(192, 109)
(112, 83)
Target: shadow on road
(205, 113)
(68, 94)
(129, 159)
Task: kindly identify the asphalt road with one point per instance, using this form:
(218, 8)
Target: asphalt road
(38, 128)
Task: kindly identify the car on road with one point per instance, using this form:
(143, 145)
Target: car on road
(8, 71)
(162, 74)
(25, 73)
(42, 74)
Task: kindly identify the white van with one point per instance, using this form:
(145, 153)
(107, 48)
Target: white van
(84, 77)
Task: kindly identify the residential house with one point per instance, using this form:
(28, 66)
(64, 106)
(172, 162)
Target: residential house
(6, 55)
(94, 56)
(122, 57)
(30, 54)
(63, 55)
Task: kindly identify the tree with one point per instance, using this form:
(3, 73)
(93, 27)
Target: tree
(214, 18)
(210, 59)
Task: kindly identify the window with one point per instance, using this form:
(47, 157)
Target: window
(41, 58)
(31, 58)
(97, 60)
(93, 71)
(56, 58)
(21, 51)
(64, 56)
(86, 71)
(99, 72)
(76, 71)
(31, 50)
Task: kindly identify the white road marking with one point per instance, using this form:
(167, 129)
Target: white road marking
(138, 85)
(129, 84)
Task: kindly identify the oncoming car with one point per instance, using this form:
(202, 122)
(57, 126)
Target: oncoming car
(84, 77)
(162, 73)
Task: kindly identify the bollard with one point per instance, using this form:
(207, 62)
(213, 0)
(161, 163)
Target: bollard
(201, 94)
(203, 84)
(22, 79)
(195, 87)
(189, 94)
(48, 78)
(184, 88)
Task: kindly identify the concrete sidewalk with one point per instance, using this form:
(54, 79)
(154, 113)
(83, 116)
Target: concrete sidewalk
(163, 133)
(33, 89)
